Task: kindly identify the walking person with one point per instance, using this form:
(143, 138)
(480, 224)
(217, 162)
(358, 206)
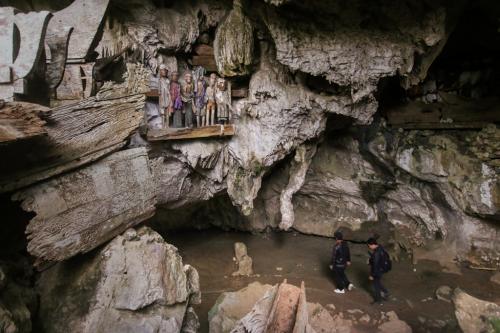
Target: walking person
(380, 263)
(341, 258)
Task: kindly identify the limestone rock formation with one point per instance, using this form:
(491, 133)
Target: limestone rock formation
(136, 283)
(352, 57)
(474, 315)
(234, 43)
(394, 324)
(18, 302)
(243, 260)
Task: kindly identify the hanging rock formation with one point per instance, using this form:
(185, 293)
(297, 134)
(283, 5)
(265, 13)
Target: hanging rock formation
(234, 44)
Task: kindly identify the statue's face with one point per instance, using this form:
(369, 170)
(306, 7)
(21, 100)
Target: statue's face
(164, 72)
(175, 77)
(188, 78)
(212, 80)
(221, 84)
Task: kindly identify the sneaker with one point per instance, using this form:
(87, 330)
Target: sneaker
(350, 287)
(377, 303)
(338, 291)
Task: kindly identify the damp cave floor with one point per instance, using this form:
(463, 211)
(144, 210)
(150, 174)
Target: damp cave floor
(298, 257)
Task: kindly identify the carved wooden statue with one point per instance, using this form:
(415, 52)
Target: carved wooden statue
(199, 102)
(164, 92)
(211, 104)
(175, 100)
(223, 99)
(187, 95)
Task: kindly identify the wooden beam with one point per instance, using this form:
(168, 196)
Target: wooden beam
(80, 210)
(194, 133)
(239, 93)
(206, 61)
(453, 112)
(204, 50)
(77, 134)
(19, 121)
(236, 93)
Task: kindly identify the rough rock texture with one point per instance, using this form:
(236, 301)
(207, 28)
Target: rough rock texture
(355, 51)
(18, 300)
(394, 324)
(298, 169)
(80, 210)
(418, 181)
(332, 190)
(137, 283)
(474, 315)
(234, 44)
(495, 278)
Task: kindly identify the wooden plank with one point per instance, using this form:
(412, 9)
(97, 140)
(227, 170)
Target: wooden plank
(430, 125)
(153, 93)
(77, 134)
(454, 112)
(20, 121)
(283, 313)
(204, 50)
(80, 210)
(236, 93)
(194, 133)
(206, 61)
(239, 93)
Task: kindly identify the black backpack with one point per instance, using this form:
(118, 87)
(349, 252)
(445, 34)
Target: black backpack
(386, 263)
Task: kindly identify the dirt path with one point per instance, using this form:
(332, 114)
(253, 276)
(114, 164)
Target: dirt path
(298, 257)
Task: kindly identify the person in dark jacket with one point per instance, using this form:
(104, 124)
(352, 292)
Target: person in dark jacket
(341, 258)
(377, 270)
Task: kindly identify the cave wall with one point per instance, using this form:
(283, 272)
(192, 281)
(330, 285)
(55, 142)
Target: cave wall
(307, 152)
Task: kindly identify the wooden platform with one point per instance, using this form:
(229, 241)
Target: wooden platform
(165, 134)
(453, 112)
(236, 93)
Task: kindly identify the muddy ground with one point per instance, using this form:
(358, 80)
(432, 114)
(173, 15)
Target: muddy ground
(296, 257)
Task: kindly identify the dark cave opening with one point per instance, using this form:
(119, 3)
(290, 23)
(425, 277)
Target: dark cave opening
(461, 87)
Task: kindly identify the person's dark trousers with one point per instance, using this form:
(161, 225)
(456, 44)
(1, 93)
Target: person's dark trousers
(340, 278)
(379, 288)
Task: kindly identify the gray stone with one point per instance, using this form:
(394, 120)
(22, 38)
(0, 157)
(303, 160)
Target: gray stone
(495, 278)
(243, 260)
(135, 285)
(443, 293)
(474, 315)
(234, 44)
(394, 324)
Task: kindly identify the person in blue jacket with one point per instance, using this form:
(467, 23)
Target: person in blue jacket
(380, 264)
(341, 258)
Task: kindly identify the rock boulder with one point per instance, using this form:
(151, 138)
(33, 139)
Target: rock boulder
(137, 283)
